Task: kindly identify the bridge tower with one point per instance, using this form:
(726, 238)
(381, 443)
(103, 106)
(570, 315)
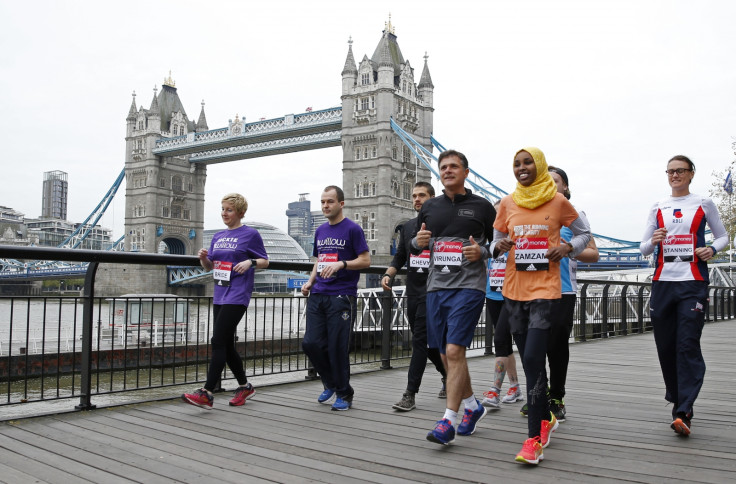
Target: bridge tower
(379, 171)
(164, 195)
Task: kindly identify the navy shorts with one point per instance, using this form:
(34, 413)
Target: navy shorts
(452, 315)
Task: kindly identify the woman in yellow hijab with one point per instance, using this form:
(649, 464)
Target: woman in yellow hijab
(528, 226)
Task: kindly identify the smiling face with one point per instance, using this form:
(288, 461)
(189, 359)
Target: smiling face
(230, 216)
(525, 170)
(453, 174)
(680, 183)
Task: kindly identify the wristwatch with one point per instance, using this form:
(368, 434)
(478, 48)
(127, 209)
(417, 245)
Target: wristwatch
(254, 264)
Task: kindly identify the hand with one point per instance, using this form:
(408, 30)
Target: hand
(472, 252)
(331, 269)
(423, 237)
(202, 254)
(504, 245)
(386, 283)
(242, 267)
(659, 235)
(556, 254)
(306, 287)
(704, 253)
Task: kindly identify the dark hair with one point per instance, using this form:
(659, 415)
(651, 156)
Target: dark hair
(563, 175)
(448, 153)
(338, 190)
(685, 159)
(428, 186)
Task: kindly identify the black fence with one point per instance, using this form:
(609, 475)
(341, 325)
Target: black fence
(77, 348)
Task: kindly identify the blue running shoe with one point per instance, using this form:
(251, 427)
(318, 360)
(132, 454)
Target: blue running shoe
(470, 420)
(326, 396)
(342, 404)
(443, 432)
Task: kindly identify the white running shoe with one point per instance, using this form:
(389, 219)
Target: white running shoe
(514, 395)
(491, 399)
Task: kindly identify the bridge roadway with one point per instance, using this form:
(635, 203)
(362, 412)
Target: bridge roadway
(617, 430)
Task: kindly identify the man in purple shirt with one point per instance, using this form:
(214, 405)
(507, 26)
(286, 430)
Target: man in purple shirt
(341, 251)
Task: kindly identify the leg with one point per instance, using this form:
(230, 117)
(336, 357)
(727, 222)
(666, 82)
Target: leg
(226, 319)
(534, 359)
(340, 318)
(663, 315)
(690, 362)
(558, 352)
(315, 339)
(417, 322)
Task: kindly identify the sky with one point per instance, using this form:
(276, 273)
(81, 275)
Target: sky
(609, 90)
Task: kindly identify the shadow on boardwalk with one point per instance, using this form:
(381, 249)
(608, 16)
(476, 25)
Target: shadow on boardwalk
(617, 430)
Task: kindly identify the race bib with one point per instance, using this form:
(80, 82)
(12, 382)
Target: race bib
(324, 259)
(447, 256)
(496, 273)
(679, 248)
(420, 263)
(531, 254)
(222, 272)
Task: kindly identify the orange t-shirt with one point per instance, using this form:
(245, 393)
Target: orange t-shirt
(529, 274)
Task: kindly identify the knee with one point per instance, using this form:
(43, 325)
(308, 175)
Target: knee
(454, 352)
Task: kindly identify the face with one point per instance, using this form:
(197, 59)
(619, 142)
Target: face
(679, 181)
(419, 196)
(525, 170)
(452, 172)
(330, 206)
(561, 187)
(230, 216)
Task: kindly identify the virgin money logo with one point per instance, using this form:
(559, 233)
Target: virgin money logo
(670, 239)
(522, 244)
(448, 246)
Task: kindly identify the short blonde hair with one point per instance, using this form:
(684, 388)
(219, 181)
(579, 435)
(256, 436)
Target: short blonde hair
(238, 202)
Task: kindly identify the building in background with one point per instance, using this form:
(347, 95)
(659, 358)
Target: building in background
(53, 232)
(54, 196)
(303, 222)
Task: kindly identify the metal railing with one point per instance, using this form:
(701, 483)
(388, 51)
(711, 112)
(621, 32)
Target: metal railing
(65, 348)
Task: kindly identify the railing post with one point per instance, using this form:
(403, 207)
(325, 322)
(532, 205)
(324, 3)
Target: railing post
(624, 309)
(85, 391)
(583, 311)
(640, 309)
(387, 298)
(715, 304)
(489, 331)
(604, 312)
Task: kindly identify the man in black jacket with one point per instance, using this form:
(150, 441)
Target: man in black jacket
(416, 303)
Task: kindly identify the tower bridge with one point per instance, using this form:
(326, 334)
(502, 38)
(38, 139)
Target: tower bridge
(384, 126)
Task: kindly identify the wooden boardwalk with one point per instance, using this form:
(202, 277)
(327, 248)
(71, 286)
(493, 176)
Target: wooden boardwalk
(617, 430)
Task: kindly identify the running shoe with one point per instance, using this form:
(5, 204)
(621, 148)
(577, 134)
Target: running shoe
(514, 395)
(524, 410)
(342, 404)
(557, 407)
(443, 392)
(326, 396)
(682, 425)
(545, 432)
(491, 399)
(242, 394)
(406, 403)
(200, 398)
(531, 452)
(443, 432)
(471, 419)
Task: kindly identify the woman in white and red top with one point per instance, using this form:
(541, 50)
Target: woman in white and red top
(676, 231)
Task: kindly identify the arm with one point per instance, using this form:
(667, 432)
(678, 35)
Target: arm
(501, 243)
(204, 261)
(652, 235)
(361, 262)
(720, 237)
(590, 253)
(308, 286)
(580, 238)
(398, 261)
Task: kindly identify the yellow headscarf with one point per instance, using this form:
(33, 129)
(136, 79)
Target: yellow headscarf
(542, 190)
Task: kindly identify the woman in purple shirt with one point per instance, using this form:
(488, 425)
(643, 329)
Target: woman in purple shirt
(234, 255)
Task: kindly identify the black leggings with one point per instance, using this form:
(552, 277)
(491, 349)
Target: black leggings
(532, 347)
(227, 317)
(558, 351)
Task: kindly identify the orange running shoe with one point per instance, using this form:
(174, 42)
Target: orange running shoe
(531, 452)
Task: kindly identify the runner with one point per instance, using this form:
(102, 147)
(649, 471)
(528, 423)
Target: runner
(456, 226)
(675, 229)
(528, 227)
(416, 302)
(233, 257)
(502, 342)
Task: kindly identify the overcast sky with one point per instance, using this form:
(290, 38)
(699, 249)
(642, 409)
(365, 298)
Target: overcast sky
(609, 90)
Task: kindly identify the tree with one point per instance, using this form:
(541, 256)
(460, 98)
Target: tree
(723, 196)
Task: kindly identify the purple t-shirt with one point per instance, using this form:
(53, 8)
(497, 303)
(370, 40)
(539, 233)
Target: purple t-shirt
(332, 243)
(228, 248)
